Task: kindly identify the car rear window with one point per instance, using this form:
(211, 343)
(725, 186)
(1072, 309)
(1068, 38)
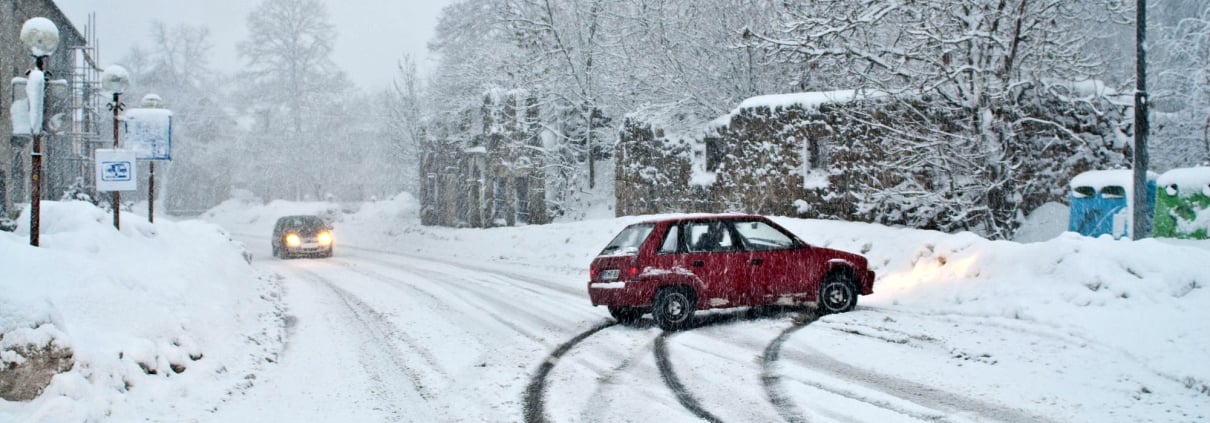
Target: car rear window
(629, 240)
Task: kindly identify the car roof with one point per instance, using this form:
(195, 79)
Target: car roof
(703, 216)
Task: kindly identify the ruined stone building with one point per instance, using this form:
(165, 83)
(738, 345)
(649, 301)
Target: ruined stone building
(488, 171)
(885, 159)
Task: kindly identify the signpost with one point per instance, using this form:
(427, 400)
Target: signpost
(148, 132)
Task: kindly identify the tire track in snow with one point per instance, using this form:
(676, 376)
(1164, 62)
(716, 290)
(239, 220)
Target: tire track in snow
(772, 382)
(374, 328)
(533, 402)
(678, 389)
(663, 361)
(467, 293)
(943, 402)
(562, 288)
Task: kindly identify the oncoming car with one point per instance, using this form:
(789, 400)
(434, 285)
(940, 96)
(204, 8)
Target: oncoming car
(675, 266)
(302, 235)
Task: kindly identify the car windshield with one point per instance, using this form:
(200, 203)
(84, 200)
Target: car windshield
(629, 240)
(310, 223)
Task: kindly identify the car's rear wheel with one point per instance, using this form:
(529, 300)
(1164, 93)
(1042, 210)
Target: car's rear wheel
(625, 315)
(837, 293)
(673, 308)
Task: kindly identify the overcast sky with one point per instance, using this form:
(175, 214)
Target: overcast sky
(373, 34)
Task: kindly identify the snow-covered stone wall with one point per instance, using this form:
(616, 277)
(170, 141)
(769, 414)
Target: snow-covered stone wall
(875, 157)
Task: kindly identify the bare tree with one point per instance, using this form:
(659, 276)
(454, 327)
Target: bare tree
(296, 93)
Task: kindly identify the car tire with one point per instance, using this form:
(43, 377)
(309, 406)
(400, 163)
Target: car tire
(625, 315)
(673, 308)
(837, 293)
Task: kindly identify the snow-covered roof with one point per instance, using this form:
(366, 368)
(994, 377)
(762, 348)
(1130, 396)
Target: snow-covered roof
(806, 100)
(1192, 178)
(1102, 178)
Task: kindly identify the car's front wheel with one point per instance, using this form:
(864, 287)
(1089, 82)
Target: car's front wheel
(837, 294)
(625, 315)
(673, 308)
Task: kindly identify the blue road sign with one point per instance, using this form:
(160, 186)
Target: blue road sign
(115, 171)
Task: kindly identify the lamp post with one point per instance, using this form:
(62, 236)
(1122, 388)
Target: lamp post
(115, 79)
(42, 37)
(151, 101)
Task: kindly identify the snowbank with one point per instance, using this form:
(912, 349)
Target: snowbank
(152, 314)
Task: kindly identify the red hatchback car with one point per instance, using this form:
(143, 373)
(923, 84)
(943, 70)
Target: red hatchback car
(673, 267)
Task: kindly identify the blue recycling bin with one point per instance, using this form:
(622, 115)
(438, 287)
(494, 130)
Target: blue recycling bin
(1100, 202)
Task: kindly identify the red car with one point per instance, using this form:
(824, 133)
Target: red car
(673, 267)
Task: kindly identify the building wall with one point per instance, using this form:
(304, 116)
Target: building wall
(60, 161)
(489, 171)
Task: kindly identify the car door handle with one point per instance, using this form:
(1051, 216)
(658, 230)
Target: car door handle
(698, 263)
(757, 261)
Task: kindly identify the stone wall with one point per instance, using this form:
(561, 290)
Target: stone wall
(881, 159)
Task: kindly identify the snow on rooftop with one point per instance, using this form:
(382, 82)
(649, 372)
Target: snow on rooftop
(1188, 180)
(807, 100)
(1102, 178)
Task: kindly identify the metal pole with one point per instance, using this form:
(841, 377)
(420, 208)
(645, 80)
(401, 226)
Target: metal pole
(151, 195)
(117, 195)
(1141, 217)
(35, 203)
(35, 174)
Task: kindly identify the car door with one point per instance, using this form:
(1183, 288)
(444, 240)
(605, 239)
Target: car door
(779, 264)
(714, 255)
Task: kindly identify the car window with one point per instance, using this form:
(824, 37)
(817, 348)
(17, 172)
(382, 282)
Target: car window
(763, 236)
(629, 240)
(709, 237)
(670, 240)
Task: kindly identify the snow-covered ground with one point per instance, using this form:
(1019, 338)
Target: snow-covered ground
(415, 323)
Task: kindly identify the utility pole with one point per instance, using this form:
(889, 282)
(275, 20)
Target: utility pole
(1141, 218)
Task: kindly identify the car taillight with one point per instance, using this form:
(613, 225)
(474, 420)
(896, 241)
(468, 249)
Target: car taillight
(634, 271)
(592, 274)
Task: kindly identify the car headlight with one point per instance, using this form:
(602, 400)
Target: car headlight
(324, 238)
(292, 240)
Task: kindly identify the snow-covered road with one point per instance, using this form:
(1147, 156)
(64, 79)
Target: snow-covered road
(416, 323)
(379, 335)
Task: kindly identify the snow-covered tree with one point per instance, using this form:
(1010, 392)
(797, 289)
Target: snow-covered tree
(175, 66)
(296, 93)
(1179, 54)
(976, 59)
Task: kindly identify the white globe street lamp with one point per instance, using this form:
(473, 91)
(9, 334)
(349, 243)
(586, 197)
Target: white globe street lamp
(42, 37)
